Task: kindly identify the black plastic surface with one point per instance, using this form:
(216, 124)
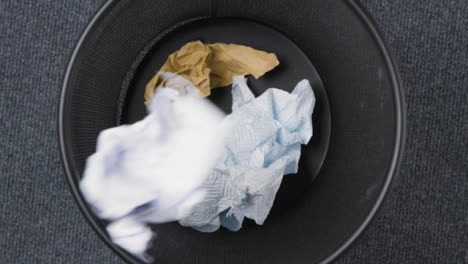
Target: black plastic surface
(366, 115)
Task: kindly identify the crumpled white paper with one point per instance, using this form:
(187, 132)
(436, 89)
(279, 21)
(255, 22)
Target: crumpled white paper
(152, 171)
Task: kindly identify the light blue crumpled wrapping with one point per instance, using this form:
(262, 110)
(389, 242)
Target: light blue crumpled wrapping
(264, 143)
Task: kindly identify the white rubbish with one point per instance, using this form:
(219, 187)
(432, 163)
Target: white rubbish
(152, 171)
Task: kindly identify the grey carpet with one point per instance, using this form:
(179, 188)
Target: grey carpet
(424, 219)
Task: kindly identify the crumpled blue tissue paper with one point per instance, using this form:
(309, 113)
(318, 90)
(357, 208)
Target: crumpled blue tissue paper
(263, 144)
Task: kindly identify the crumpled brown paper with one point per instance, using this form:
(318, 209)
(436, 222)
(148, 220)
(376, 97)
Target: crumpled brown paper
(209, 66)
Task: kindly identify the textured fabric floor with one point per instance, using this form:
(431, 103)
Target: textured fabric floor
(423, 220)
